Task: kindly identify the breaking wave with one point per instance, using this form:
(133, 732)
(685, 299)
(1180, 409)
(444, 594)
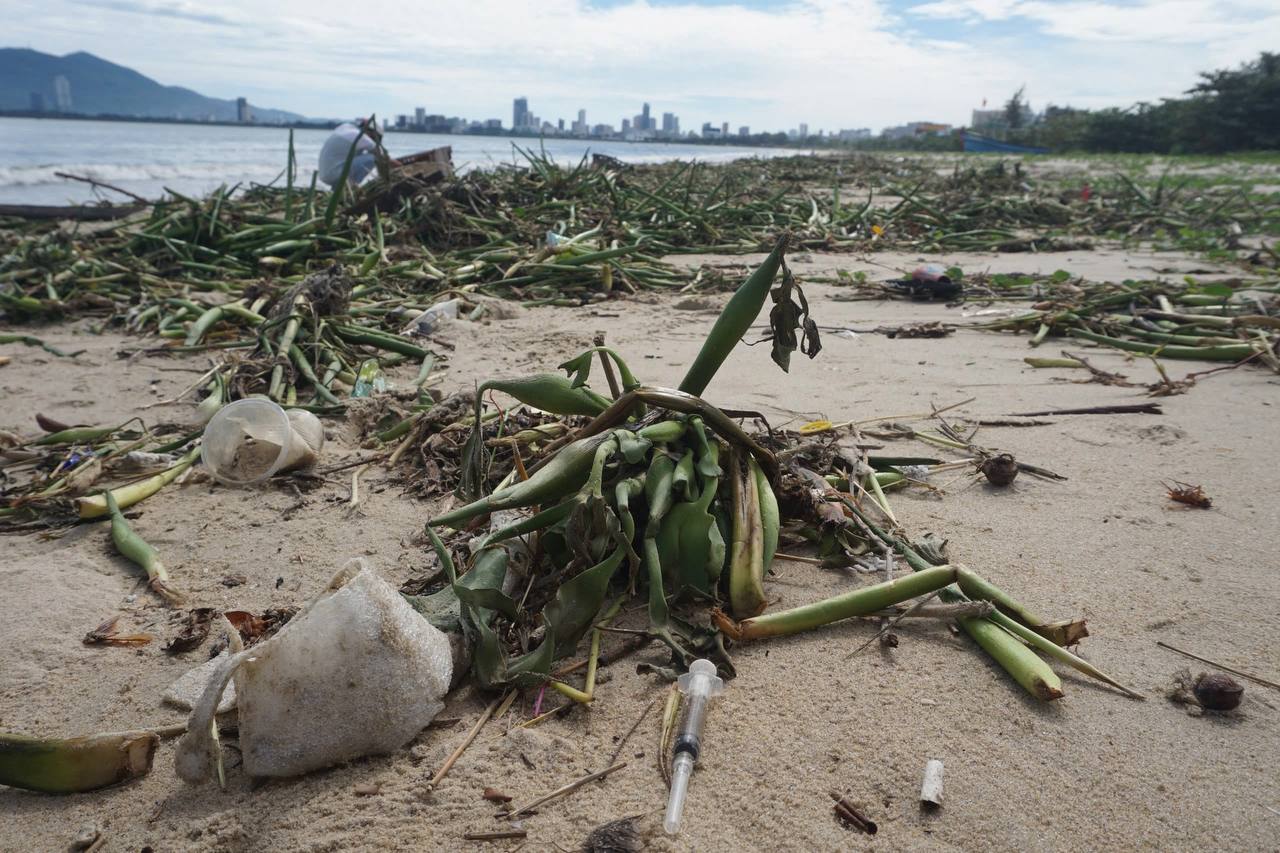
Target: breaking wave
(185, 173)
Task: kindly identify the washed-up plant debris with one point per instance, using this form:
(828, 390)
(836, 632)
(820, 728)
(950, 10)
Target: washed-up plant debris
(664, 497)
(1222, 322)
(632, 492)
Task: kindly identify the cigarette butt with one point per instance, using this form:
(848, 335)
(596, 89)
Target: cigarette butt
(931, 788)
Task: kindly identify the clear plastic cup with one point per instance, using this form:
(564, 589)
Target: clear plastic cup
(246, 442)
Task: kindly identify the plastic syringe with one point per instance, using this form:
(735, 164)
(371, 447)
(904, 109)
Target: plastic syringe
(698, 685)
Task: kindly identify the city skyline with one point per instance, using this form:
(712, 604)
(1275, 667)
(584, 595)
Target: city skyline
(640, 127)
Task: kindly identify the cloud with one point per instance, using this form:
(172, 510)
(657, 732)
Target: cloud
(830, 63)
(181, 11)
(1187, 22)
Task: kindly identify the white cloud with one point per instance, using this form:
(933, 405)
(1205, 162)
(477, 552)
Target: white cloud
(830, 63)
(1187, 22)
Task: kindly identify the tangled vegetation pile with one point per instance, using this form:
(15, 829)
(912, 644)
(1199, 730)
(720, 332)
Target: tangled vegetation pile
(664, 495)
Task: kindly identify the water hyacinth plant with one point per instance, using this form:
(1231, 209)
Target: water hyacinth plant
(664, 496)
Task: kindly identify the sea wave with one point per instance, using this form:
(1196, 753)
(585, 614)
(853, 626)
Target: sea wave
(212, 173)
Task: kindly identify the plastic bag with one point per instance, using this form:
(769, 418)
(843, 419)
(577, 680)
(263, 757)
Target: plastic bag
(356, 672)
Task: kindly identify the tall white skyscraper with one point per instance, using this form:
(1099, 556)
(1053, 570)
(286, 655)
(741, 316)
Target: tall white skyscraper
(62, 93)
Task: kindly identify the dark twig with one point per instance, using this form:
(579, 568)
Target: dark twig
(1220, 666)
(102, 184)
(564, 789)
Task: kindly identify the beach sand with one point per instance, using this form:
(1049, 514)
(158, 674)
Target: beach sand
(1095, 770)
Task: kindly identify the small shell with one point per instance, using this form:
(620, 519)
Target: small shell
(1218, 692)
(1000, 470)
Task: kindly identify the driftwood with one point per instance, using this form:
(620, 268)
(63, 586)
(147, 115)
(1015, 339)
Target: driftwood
(78, 212)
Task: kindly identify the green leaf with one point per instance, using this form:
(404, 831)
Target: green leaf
(579, 367)
(1211, 289)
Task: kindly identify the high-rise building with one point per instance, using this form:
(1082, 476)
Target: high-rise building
(804, 130)
(626, 125)
(244, 113)
(744, 131)
(560, 125)
(644, 111)
(724, 129)
(419, 116)
(670, 124)
(62, 93)
(520, 113)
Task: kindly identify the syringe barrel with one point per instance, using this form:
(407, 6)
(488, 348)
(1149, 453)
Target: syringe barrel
(689, 734)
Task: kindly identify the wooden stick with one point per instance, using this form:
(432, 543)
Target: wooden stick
(814, 561)
(614, 388)
(1127, 409)
(884, 629)
(1222, 667)
(963, 609)
(495, 836)
(848, 813)
(564, 789)
(104, 185)
(622, 743)
(471, 735)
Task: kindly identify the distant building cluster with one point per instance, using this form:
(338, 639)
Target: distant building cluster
(916, 128)
(642, 126)
(645, 125)
(61, 97)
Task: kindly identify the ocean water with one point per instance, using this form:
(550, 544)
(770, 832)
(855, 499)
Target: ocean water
(147, 159)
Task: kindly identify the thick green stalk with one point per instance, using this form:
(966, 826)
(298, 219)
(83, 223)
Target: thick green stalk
(65, 766)
(1233, 352)
(562, 475)
(1020, 662)
(746, 548)
(139, 552)
(1055, 651)
(858, 602)
(733, 322)
(95, 506)
(1066, 633)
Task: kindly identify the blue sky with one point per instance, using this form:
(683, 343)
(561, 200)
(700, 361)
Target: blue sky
(770, 64)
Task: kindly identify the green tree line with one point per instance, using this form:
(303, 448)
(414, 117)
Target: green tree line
(1235, 109)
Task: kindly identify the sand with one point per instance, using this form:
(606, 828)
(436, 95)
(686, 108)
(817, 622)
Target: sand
(1094, 770)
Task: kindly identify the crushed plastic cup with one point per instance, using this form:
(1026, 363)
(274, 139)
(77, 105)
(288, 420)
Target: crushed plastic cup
(356, 672)
(250, 440)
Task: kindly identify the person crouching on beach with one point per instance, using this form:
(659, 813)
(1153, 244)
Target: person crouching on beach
(363, 133)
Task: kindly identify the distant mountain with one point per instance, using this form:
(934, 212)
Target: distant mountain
(29, 80)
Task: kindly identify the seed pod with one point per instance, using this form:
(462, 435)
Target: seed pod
(1218, 692)
(1000, 470)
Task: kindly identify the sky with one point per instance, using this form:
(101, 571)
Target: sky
(768, 64)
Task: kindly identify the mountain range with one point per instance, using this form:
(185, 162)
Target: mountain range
(94, 86)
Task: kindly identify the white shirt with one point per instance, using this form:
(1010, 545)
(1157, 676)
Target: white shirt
(334, 153)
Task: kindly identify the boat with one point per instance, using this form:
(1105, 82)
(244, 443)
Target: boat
(977, 143)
